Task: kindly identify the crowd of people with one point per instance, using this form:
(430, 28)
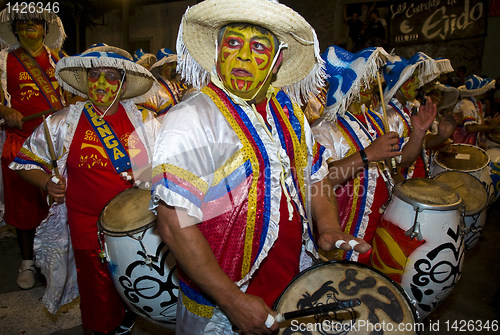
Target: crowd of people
(262, 155)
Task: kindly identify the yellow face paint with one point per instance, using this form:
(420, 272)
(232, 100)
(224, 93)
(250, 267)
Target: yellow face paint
(366, 94)
(103, 86)
(29, 30)
(244, 60)
(169, 70)
(410, 88)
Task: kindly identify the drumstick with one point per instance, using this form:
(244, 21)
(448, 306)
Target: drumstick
(318, 310)
(384, 119)
(51, 147)
(34, 116)
(323, 309)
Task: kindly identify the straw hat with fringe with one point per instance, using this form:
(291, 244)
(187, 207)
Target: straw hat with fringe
(475, 85)
(71, 73)
(108, 48)
(163, 56)
(450, 95)
(143, 58)
(53, 39)
(347, 72)
(399, 70)
(301, 72)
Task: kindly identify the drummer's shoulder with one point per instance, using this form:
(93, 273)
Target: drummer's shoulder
(197, 105)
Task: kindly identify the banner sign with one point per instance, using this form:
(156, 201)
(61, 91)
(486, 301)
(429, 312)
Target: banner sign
(424, 21)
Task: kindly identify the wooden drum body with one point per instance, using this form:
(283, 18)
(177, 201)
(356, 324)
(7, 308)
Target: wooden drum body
(143, 270)
(419, 242)
(469, 159)
(384, 309)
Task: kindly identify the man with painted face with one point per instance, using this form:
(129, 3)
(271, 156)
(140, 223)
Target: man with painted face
(404, 78)
(357, 142)
(95, 142)
(237, 177)
(28, 86)
(172, 88)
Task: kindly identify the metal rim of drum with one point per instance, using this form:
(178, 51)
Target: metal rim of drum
(121, 233)
(479, 182)
(417, 205)
(440, 163)
(397, 286)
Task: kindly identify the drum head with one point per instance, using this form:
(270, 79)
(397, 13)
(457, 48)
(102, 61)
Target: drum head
(128, 211)
(471, 190)
(468, 158)
(494, 136)
(424, 192)
(383, 302)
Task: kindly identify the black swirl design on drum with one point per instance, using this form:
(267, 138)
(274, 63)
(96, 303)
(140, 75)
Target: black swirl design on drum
(439, 272)
(473, 238)
(347, 318)
(148, 287)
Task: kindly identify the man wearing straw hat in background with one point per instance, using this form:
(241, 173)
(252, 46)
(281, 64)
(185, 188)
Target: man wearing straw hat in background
(472, 123)
(172, 89)
(95, 143)
(28, 87)
(237, 176)
(357, 143)
(403, 78)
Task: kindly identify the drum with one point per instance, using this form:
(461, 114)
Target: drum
(143, 270)
(419, 242)
(494, 154)
(492, 139)
(384, 309)
(475, 200)
(469, 159)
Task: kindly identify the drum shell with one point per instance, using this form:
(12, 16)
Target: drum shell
(494, 154)
(149, 286)
(327, 283)
(430, 271)
(481, 172)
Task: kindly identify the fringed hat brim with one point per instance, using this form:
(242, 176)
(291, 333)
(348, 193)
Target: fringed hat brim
(301, 71)
(71, 73)
(427, 71)
(364, 68)
(54, 38)
(475, 85)
(444, 65)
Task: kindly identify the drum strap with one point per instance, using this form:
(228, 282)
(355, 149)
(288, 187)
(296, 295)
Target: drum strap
(110, 141)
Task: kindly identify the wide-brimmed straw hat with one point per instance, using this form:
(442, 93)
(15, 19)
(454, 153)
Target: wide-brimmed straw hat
(450, 95)
(144, 58)
(71, 73)
(300, 73)
(399, 70)
(163, 56)
(346, 73)
(108, 48)
(475, 85)
(53, 39)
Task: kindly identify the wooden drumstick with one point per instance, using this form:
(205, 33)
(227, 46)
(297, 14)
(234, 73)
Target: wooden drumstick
(51, 147)
(384, 119)
(318, 310)
(34, 116)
